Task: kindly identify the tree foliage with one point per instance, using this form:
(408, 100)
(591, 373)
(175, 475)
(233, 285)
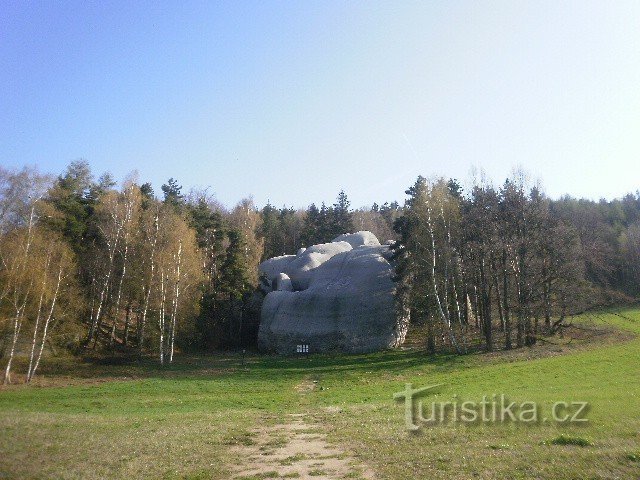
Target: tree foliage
(500, 263)
(91, 264)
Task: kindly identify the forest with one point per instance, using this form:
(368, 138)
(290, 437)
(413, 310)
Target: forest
(91, 264)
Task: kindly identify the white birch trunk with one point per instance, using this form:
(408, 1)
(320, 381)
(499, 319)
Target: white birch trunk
(145, 308)
(176, 295)
(46, 326)
(126, 228)
(17, 325)
(112, 245)
(435, 284)
(39, 314)
(20, 304)
(161, 317)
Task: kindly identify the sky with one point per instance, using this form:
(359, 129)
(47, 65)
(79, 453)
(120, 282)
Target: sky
(293, 101)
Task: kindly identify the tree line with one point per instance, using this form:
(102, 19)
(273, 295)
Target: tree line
(507, 265)
(86, 263)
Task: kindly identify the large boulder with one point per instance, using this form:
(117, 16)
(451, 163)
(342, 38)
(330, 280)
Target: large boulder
(342, 298)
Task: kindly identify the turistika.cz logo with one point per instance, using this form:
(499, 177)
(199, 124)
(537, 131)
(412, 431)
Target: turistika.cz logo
(494, 408)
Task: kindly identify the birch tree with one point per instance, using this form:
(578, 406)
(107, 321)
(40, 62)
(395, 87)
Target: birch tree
(427, 261)
(18, 280)
(111, 215)
(57, 286)
(149, 235)
(36, 265)
(179, 264)
(131, 201)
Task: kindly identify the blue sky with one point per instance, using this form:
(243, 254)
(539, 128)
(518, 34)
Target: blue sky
(293, 101)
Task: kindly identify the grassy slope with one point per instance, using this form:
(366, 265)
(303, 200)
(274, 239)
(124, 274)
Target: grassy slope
(180, 422)
(607, 377)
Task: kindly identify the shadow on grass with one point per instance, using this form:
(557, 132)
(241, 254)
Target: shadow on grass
(104, 367)
(253, 364)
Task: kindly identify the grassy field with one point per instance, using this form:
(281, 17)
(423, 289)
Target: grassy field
(141, 421)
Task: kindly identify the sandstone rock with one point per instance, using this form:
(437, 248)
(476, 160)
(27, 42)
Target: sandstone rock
(269, 270)
(358, 239)
(283, 283)
(342, 299)
(300, 269)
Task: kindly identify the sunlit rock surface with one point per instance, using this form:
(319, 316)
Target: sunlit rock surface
(335, 296)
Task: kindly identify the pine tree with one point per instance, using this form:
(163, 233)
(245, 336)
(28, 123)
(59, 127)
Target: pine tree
(104, 184)
(172, 195)
(72, 205)
(234, 286)
(235, 278)
(291, 225)
(342, 221)
(148, 195)
(311, 225)
(390, 212)
(270, 231)
(210, 234)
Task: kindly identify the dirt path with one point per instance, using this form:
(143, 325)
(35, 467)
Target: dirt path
(296, 448)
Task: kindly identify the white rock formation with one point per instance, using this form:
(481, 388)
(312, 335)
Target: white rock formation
(358, 239)
(339, 298)
(283, 283)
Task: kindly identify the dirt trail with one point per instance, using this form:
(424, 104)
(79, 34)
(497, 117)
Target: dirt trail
(296, 448)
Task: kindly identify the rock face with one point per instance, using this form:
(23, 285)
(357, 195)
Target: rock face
(334, 296)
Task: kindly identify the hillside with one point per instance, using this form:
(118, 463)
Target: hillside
(196, 418)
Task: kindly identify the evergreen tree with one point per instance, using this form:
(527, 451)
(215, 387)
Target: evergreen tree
(291, 225)
(233, 290)
(236, 278)
(310, 225)
(77, 178)
(342, 217)
(103, 185)
(455, 188)
(409, 252)
(210, 234)
(324, 232)
(172, 195)
(270, 231)
(390, 212)
(72, 204)
(148, 195)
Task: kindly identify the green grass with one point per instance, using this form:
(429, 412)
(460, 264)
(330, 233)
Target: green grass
(569, 440)
(634, 457)
(316, 472)
(183, 421)
(292, 459)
